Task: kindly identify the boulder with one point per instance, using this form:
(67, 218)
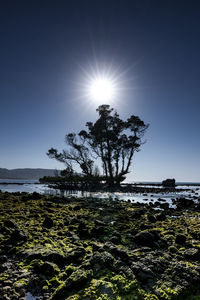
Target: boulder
(169, 183)
(182, 203)
(147, 238)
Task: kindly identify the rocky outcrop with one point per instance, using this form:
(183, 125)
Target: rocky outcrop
(171, 183)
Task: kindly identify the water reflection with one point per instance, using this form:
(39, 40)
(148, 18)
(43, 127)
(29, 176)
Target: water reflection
(30, 187)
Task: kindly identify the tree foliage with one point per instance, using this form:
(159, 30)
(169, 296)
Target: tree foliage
(109, 140)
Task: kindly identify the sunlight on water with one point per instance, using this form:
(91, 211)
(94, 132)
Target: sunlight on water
(32, 186)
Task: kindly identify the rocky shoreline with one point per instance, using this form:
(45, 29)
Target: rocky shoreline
(60, 248)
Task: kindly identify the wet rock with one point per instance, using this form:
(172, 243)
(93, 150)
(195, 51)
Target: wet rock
(182, 203)
(180, 239)
(164, 206)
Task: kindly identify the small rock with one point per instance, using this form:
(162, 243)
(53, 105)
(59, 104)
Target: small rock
(180, 239)
(151, 218)
(192, 254)
(161, 217)
(10, 224)
(3, 259)
(48, 223)
(145, 238)
(48, 268)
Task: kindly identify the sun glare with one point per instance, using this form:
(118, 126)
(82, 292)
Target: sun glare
(101, 89)
(101, 84)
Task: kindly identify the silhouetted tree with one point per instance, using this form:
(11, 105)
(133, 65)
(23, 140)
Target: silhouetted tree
(109, 139)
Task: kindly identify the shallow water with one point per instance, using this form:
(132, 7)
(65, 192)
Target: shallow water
(34, 186)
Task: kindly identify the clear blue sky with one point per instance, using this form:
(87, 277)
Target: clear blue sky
(46, 45)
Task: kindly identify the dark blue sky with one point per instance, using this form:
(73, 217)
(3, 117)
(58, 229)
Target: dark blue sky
(46, 48)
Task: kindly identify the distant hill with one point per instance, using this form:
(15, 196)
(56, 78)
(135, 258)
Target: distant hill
(26, 173)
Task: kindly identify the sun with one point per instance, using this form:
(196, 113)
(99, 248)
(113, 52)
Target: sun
(100, 84)
(101, 89)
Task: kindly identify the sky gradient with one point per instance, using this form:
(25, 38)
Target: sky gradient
(48, 48)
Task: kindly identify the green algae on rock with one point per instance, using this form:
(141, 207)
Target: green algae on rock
(68, 248)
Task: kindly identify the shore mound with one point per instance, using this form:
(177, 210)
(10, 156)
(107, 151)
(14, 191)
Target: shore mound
(81, 249)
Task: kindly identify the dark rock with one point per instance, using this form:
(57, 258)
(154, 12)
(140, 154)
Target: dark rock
(76, 255)
(3, 259)
(138, 213)
(104, 258)
(151, 218)
(180, 239)
(83, 230)
(161, 216)
(10, 224)
(48, 223)
(117, 252)
(161, 200)
(164, 205)
(97, 231)
(145, 226)
(36, 196)
(105, 289)
(56, 258)
(182, 203)
(18, 236)
(75, 281)
(115, 239)
(144, 275)
(146, 238)
(48, 269)
(169, 183)
(192, 254)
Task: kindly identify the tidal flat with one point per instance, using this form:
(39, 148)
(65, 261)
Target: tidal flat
(67, 248)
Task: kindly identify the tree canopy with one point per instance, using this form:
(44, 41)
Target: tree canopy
(105, 148)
